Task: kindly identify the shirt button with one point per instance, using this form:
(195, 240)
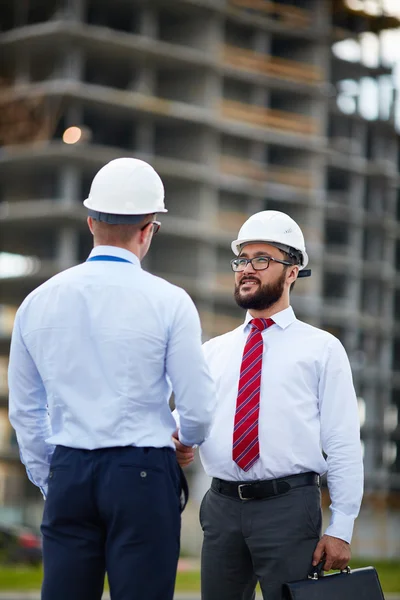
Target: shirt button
(51, 474)
(143, 474)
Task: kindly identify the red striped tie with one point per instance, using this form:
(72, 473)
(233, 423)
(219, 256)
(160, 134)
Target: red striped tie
(246, 449)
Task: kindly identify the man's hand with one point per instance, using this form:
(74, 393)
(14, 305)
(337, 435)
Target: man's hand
(184, 454)
(335, 552)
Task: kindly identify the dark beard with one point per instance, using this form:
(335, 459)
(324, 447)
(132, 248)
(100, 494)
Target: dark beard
(266, 296)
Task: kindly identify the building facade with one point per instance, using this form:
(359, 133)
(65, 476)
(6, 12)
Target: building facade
(237, 104)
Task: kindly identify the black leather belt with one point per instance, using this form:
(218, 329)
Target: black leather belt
(258, 490)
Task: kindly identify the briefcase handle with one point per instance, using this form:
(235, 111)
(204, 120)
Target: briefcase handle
(316, 572)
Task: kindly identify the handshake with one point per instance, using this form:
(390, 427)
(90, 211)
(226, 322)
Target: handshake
(184, 454)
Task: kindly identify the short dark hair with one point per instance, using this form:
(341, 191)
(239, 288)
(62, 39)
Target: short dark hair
(108, 234)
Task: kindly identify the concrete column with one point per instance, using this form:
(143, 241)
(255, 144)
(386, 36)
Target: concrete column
(73, 64)
(145, 136)
(356, 193)
(67, 242)
(260, 95)
(67, 248)
(261, 44)
(22, 68)
(313, 230)
(211, 149)
(321, 13)
(314, 220)
(359, 138)
(354, 287)
(148, 21)
(213, 91)
(207, 271)
(145, 81)
(75, 10)
(214, 36)
(213, 81)
(20, 9)
(22, 62)
(69, 185)
(322, 58)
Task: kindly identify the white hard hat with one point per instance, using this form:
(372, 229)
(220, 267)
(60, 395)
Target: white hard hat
(124, 190)
(273, 227)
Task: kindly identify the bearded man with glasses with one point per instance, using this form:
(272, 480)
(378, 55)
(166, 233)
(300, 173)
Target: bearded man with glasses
(286, 413)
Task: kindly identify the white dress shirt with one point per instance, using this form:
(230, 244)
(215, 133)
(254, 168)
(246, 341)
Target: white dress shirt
(95, 352)
(307, 402)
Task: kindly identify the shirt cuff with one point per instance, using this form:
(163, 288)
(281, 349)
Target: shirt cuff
(184, 441)
(341, 526)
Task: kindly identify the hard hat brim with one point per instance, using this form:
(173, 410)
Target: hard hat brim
(114, 219)
(88, 204)
(236, 245)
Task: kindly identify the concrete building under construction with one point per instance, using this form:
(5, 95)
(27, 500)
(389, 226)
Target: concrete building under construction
(238, 104)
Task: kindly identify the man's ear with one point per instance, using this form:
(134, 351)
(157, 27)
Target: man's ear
(293, 274)
(145, 233)
(90, 224)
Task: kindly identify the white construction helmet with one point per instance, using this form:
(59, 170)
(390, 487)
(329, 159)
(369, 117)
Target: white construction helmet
(275, 228)
(124, 190)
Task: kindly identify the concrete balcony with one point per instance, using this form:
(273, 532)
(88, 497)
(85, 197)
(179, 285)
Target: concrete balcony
(89, 157)
(97, 39)
(41, 212)
(233, 175)
(340, 203)
(348, 162)
(243, 120)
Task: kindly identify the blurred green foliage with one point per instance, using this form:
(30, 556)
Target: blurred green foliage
(29, 578)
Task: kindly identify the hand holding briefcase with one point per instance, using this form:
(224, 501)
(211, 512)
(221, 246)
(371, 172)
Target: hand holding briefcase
(359, 584)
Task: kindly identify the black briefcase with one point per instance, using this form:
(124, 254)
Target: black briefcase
(356, 584)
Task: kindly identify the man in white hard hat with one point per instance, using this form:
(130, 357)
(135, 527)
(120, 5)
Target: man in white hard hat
(93, 355)
(284, 391)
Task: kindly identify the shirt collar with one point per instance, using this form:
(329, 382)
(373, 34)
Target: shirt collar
(115, 251)
(283, 319)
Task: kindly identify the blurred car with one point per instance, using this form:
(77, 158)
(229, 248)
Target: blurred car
(19, 544)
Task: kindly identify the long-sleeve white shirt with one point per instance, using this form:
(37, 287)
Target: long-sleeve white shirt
(95, 352)
(307, 404)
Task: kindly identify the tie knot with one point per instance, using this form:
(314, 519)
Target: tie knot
(261, 324)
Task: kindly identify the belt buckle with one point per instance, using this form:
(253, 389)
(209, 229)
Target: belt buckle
(240, 486)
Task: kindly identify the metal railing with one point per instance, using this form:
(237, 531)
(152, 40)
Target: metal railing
(273, 66)
(266, 173)
(259, 116)
(287, 14)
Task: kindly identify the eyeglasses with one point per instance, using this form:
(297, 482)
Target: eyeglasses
(259, 263)
(156, 226)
